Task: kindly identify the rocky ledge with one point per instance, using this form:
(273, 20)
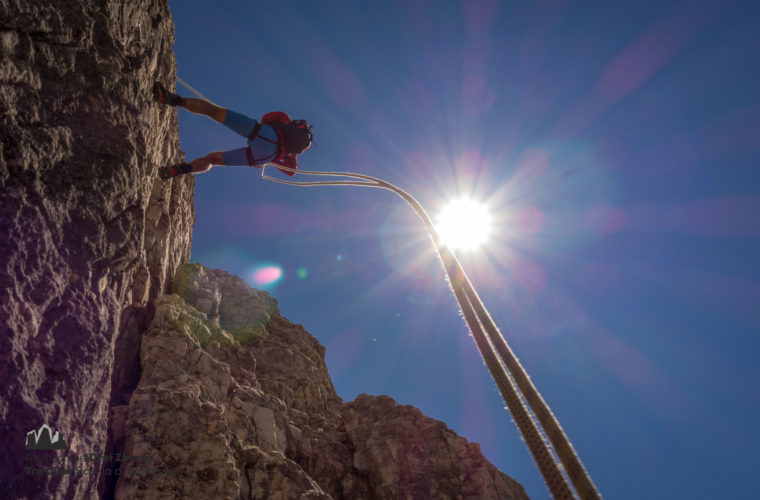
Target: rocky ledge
(236, 402)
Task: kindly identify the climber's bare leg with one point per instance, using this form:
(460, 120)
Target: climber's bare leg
(202, 107)
(204, 163)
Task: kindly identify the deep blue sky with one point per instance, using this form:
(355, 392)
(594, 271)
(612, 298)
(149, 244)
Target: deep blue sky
(617, 146)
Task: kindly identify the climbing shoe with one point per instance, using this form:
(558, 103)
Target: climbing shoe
(163, 96)
(174, 170)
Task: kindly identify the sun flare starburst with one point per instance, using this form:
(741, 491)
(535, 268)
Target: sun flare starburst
(464, 224)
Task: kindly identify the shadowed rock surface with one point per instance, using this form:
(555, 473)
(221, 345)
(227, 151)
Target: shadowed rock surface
(203, 383)
(89, 235)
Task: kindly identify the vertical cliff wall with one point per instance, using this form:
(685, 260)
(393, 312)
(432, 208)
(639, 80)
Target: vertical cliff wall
(88, 235)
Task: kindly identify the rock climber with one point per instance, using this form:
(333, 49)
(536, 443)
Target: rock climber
(276, 138)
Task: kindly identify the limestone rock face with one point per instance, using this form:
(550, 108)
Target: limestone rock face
(88, 234)
(224, 410)
(400, 451)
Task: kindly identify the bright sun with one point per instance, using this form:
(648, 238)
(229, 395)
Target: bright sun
(464, 224)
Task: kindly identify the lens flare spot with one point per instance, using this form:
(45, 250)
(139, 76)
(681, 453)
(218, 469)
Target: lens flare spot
(268, 275)
(302, 273)
(339, 257)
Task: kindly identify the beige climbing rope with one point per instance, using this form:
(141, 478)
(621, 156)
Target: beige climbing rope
(497, 355)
